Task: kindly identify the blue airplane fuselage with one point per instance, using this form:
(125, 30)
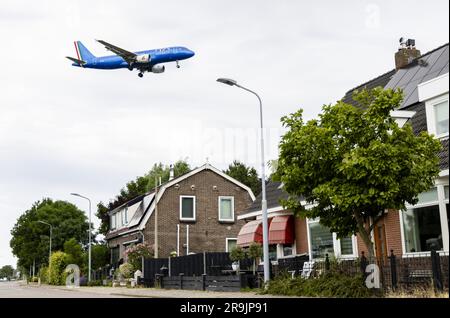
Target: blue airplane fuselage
(157, 56)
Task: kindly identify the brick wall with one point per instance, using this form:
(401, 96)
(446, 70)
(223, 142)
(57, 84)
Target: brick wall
(301, 235)
(391, 222)
(206, 233)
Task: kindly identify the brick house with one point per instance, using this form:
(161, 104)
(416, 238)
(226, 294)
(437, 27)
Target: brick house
(413, 232)
(196, 212)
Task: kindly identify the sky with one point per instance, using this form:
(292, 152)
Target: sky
(65, 129)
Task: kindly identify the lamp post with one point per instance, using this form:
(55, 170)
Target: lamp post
(232, 82)
(90, 240)
(50, 249)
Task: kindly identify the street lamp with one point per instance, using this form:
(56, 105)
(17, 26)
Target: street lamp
(232, 82)
(50, 250)
(89, 265)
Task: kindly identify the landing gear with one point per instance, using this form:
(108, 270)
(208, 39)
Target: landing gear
(140, 74)
(178, 65)
(130, 66)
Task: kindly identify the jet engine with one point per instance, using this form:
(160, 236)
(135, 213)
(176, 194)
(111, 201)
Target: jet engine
(158, 68)
(144, 58)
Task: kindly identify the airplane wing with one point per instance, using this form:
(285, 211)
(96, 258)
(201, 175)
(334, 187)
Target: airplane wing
(129, 57)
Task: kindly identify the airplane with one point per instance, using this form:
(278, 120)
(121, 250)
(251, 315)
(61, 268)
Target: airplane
(144, 61)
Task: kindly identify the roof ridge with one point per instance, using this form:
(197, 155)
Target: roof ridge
(394, 70)
(372, 80)
(432, 51)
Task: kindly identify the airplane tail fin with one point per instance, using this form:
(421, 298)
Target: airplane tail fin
(82, 52)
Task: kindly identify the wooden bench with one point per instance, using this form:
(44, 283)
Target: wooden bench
(417, 276)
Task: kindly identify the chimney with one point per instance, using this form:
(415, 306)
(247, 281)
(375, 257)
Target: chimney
(171, 176)
(406, 53)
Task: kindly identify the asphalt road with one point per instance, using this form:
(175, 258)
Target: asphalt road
(19, 290)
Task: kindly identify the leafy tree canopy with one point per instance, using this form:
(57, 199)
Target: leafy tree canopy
(6, 271)
(30, 239)
(355, 162)
(75, 253)
(246, 175)
(137, 187)
(100, 256)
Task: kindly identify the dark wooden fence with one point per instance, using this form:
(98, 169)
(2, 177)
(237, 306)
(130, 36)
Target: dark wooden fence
(209, 263)
(203, 282)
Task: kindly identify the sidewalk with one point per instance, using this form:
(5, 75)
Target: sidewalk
(153, 292)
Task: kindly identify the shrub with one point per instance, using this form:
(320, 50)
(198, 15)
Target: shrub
(237, 254)
(95, 283)
(135, 253)
(43, 274)
(255, 251)
(126, 270)
(58, 262)
(327, 285)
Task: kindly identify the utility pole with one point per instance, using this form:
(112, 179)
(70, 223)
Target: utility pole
(156, 216)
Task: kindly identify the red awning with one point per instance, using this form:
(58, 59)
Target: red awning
(281, 230)
(249, 233)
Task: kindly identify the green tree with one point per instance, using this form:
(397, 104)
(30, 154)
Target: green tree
(7, 271)
(100, 256)
(244, 174)
(137, 187)
(255, 251)
(354, 163)
(75, 253)
(30, 239)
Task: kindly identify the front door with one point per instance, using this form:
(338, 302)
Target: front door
(380, 242)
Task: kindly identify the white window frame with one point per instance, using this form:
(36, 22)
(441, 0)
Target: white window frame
(232, 209)
(125, 216)
(431, 115)
(193, 206)
(336, 243)
(112, 219)
(280, 251)
(442, 216)
(226, 243)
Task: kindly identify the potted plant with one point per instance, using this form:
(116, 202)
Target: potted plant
(236, 255)
(255, 252)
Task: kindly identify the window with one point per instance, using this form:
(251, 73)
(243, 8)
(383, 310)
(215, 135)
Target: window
(125, 216)
(287, 250)
(346, 245)
(226, 209)
(441, 118)
(321, 241)
(421, 223)
(115, 255)
(272, 252)
(113, 221)
(231, 243)
(187, 208)
(422, 229)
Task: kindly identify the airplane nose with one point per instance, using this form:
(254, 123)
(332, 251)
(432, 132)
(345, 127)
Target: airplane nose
(190, 53)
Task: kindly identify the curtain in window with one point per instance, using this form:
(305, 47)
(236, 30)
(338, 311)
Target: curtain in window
(321, 241)
(225, 209)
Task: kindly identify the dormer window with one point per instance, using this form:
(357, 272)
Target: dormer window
(113, 221)
(441, 118)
